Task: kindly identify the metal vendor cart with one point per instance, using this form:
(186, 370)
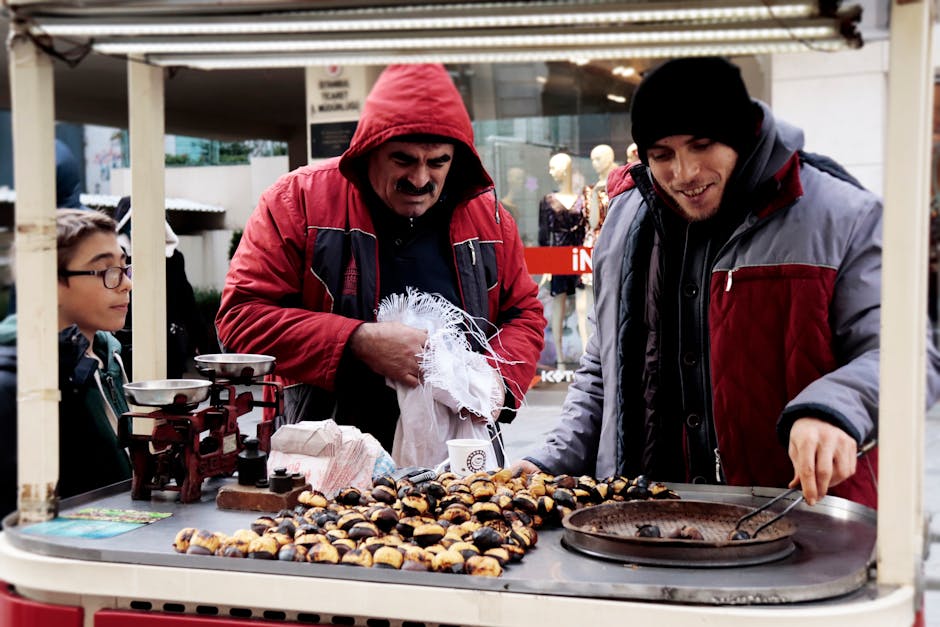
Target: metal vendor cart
(851, 567)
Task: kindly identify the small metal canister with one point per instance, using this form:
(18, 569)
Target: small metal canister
(252, 463)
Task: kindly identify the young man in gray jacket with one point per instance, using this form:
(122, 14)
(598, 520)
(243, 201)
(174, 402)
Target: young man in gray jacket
(737, 285)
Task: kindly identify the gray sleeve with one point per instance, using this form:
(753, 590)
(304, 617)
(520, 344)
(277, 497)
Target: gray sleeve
(848, 396)
(572, 446)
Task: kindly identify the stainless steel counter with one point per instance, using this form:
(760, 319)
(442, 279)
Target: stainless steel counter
(834, 545)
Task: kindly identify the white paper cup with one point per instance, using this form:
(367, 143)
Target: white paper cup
(468, 456)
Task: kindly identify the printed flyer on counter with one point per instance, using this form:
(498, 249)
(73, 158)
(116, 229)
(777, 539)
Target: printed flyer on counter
(94, 523)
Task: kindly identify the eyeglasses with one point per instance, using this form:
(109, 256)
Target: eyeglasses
(111, 277)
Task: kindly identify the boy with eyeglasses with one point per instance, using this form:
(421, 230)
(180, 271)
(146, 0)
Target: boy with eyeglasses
(94, 287)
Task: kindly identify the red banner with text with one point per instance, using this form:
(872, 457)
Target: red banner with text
(558, 259)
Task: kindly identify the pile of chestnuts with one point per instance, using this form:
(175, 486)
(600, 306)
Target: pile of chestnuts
(475, 525)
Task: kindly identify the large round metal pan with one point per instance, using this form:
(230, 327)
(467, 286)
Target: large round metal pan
(167, 392)
(241, 366)
(609, 531)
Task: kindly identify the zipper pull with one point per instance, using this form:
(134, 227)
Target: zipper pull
(473, 254)
(728, 286)
(717, 466)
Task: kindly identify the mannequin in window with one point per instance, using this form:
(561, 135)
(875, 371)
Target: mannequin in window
(632, 154)
(515, 178)
(561, 223)
(596, 201)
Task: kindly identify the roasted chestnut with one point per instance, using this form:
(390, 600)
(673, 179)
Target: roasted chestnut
(384, 494)
(349, 496)
(415, 503)
(203, 542)
(323, 553)
(357, 557)
(426, 535)
(447, 562)
(687, 532)
(385, 518)
(262, 524)
(483, 566)
(263, 548)
(387, 557)
(486, 538)
(181, 541)
(292, 553)
(346, 521)
(384, 481)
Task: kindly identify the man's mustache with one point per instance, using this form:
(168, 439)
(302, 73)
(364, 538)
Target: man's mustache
(403, 185)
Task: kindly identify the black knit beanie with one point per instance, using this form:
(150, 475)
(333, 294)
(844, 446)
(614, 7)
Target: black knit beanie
(700, 96)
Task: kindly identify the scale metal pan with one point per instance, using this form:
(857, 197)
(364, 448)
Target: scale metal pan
(167, 392)
(240, 366)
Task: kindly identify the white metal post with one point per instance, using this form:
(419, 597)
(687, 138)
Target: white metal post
(146, 126)
(31, 83)
(904, 296)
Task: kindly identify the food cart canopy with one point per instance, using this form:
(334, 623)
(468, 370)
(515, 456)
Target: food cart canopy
(227, 35)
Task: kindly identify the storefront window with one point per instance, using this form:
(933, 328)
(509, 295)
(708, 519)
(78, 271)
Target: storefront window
(523, 115)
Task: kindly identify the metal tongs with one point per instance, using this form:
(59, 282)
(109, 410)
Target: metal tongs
(737, 525)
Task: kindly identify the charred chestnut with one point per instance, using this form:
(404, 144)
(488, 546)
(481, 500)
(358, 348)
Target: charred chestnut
(384, 494)
(486, 538)
(428, 534)
(349, 496)
(385, 518)
(262, 524)
(363, 530)
(648, 531)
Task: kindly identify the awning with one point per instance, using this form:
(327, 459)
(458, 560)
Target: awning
(277, 35)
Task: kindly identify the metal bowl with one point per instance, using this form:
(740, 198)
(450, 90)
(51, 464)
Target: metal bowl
(167, 392)
(234, 365)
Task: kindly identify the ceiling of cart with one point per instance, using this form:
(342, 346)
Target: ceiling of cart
(263, 46)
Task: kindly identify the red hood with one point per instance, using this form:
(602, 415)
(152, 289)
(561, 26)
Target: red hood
(417, 99)
(619, 180)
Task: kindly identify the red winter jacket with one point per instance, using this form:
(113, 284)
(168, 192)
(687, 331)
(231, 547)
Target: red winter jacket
(306, 275)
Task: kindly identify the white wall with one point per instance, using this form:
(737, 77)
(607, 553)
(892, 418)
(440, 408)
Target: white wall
(206, 258)
(234, 187)
(839, 100)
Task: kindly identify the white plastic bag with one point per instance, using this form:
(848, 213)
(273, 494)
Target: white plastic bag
(454, 377)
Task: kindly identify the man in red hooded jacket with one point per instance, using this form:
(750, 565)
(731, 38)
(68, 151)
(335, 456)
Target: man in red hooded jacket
(409, 204)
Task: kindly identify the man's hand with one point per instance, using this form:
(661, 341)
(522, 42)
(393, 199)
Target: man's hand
(823, 456)
(466, 413)
(391, 349)
(523, 467)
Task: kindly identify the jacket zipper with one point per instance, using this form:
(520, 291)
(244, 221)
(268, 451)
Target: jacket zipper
(473, 253)
(718, 466)
(728, 280)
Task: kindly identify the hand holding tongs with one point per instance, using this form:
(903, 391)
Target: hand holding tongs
(737, 525)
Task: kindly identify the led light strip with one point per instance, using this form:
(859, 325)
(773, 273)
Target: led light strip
(390, 21)
(443, 43)
(505, 56)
